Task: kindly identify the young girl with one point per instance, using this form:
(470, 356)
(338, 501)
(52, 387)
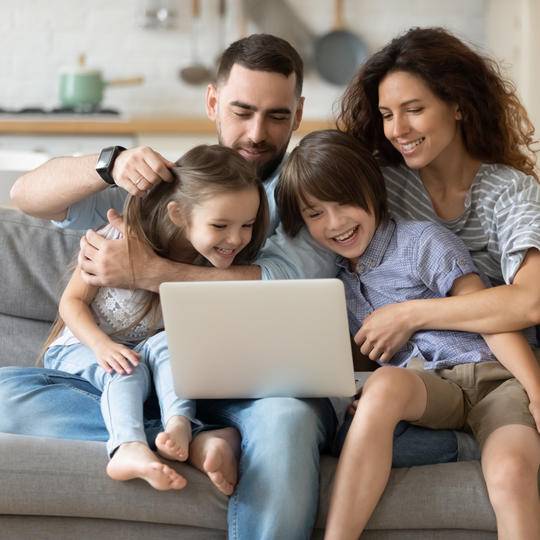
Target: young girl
(438, 379)
(215, 211)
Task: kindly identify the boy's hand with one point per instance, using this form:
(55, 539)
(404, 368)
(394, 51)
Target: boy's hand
(534, 407)
(112, 356)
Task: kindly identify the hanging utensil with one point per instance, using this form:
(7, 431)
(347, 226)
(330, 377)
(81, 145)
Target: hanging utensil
(196, 72)
(339, 53)
(280, 19)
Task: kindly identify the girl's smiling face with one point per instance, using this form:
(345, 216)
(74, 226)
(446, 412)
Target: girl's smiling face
(422, 127)
(221, 226)
(344, 229)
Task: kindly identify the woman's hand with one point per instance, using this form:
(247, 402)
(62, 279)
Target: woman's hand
(385, 331)
(534, 407)
(112, 356)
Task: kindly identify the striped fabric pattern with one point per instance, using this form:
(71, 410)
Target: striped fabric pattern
(501, 219)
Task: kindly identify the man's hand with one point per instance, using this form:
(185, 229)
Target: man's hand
(385, 331)
(105, 263)
(139, 169)
(112, 356)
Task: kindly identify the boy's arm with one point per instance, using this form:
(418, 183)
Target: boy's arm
(75, 311)
(510, 348)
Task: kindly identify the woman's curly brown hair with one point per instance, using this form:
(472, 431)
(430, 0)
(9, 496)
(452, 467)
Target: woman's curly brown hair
(495, 125)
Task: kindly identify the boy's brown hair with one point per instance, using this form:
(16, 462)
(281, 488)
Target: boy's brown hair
(330, 166)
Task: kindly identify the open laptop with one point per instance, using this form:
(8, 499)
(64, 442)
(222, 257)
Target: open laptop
(253, 339)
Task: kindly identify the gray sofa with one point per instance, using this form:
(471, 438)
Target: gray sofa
(54, 488)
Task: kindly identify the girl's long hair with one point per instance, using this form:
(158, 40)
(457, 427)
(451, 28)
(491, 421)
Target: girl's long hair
(495, 125)
(201, 173)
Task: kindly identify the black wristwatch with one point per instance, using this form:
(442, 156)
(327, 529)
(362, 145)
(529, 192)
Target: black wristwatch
(105, 163)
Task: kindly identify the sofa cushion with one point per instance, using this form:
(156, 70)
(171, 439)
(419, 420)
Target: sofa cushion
(54, 477)
(34, 267)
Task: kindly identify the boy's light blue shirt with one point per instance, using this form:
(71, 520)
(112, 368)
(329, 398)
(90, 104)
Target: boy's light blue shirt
(281, 257)
(409, 260)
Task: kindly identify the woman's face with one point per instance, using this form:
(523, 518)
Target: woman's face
(423, 128)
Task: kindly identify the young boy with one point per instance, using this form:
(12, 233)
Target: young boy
(439, 379)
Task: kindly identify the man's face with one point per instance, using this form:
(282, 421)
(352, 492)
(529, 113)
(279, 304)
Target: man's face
(255, 114)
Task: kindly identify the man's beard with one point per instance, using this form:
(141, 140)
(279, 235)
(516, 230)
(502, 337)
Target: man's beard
(266, 169)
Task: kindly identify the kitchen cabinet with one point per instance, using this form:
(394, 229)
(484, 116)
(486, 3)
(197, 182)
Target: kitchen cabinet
(62, 136)
(63, 145)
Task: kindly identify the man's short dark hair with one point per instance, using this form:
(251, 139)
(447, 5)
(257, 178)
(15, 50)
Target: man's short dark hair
(263, 52)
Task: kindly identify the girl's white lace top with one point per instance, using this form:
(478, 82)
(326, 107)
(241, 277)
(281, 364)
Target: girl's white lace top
(116, 309)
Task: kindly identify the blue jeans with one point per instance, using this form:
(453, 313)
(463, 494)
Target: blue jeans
(277, 493)
(123, 395)
(414, 445)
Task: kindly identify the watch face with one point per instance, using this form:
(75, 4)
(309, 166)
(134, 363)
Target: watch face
(105, 158)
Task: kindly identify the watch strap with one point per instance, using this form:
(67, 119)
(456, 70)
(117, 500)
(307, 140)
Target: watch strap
(105, 163)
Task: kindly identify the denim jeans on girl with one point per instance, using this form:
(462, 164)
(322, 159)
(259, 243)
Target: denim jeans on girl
(123, 395)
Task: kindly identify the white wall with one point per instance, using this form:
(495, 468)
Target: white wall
(37, 37)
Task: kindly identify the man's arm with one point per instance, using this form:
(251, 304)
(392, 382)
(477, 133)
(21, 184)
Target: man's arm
(105, 262)
(48, 191)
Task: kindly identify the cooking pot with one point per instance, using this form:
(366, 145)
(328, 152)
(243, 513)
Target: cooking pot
(339, 53)
(82, 88)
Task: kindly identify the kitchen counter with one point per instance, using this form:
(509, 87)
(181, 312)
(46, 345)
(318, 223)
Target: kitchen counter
(107, 125)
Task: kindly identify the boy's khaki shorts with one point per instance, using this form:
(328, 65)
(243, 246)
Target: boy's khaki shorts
(477, 397)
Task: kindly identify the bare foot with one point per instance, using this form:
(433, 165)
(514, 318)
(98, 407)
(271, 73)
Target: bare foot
(173, 443)
(216, 453)
(136, 460)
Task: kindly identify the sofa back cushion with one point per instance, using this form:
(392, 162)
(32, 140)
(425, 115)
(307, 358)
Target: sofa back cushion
(34, 268)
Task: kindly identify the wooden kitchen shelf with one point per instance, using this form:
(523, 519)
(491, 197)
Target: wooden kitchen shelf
(154, 125)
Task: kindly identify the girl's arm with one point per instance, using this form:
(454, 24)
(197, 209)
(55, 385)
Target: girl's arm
(75, 311)
(505, 308)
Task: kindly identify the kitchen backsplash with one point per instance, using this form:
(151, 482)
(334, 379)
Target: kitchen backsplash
(38, 37)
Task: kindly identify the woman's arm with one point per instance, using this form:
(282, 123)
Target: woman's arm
(498, 309)
(505, 308)
(75, 312)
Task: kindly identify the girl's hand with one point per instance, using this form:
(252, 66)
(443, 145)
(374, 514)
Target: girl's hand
(534, 407)
(112, 356)
(385, 331)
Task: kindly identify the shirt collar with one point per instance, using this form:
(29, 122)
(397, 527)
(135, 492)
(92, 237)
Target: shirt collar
(376, 249)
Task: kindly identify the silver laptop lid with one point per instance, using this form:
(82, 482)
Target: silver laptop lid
(252, 339)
